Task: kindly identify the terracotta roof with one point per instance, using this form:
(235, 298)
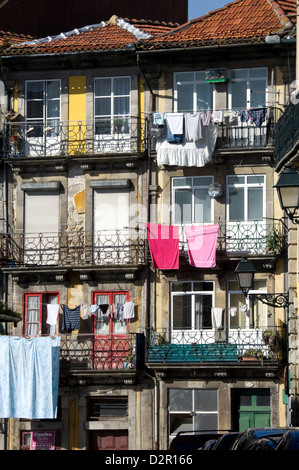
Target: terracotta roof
(241, 21)
(114, 34)
(11, 38)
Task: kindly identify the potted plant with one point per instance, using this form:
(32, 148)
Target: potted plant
(253, 354)
(274, 242)
(129, 361)
(272, 339)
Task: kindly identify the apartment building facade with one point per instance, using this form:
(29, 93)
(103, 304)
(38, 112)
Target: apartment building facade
(91, 175)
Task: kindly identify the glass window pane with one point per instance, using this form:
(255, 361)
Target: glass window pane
(103, 87)
(203, 181)
(35, 90)
(203, 306)
(103, 107)
(185, 97)
(239, 94)
(256, 179)
(239, 73)
(263, 400)
(237, 318)
(180, 423)
(53, 90)
(184, 77)
(255, 203)
(181, 287)
(122, 86)
(182, 181)
(35, 109)
(121, 105)
(236, 180)
(204, 96)
(183, 206)
(200, 76)
(205, 400)
(203, 204)
(180, 399)
(257, 93)
(261, 72)
(182, 311)
(206, 421)
(53, 109)
(203, 286)
(236, 204)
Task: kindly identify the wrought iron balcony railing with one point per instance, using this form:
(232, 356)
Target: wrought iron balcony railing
(103, 248)
(87, 352)
(215, 345)
(116, 135)
(129, 247)
(286, 133)
(255, 237)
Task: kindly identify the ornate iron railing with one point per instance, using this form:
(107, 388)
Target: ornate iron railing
(118, 247)
(101, 352)
(252, 237)
(215, 345)
(70, 138)
(246, 135)
(129, 247)
(286, 133)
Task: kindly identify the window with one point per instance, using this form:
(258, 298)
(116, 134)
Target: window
(248, 88)
(35, 316)
(191, 304)
(112, 105)
(192, 410)
(107, 408)
(192, 203)
(253, 315)
(246, 198)
(110, 319)
(191, 92)
(43, 107)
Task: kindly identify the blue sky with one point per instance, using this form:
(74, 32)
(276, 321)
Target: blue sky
(201, 7)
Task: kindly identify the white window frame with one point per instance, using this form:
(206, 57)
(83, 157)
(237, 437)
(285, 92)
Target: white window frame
(112, 96)
(192, 187)
(193, 82)
(192, 293)
(44, 118)
(246, 185)
(250, 84)
(191, 412)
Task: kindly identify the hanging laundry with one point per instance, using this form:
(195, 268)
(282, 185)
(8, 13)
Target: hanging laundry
(29, 377)
(201, 243)
(230, 117)
(244, 309)
(206, 118)
(52, 313)
(104, 308)
(175, 127)
(93, 309)
(244, 116)
(233, 311)
(217, 317)
(119, 311)
(217, 117)
(84, 312)
(156, 125)
(71, 318)
(193, 127)
(128, 310)
(163, 243)
(257, 116)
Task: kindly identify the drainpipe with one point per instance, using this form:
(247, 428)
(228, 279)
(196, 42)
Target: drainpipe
(155, 380)
(153, 107)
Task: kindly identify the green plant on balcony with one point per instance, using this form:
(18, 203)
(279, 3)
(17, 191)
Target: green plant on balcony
(274, 242)
(272, 338)
(129, 361)
(254, 353)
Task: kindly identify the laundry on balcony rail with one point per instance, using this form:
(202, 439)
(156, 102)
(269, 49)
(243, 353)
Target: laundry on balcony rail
(201, 243)
(29, 377)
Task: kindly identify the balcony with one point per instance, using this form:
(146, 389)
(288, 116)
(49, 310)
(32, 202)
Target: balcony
(73, 138)
(287, 136)
(166, 346)
(240, 238)
(91, 352)
(100, 249)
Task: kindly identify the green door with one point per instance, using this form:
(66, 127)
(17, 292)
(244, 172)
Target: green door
(253, 408)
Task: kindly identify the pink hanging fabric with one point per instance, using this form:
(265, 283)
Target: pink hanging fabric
(201, 243)
(163, 243)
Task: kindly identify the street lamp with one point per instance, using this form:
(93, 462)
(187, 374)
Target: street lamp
(245, 274)
(287, 187)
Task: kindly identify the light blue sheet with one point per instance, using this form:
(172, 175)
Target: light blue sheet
(29, 377)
